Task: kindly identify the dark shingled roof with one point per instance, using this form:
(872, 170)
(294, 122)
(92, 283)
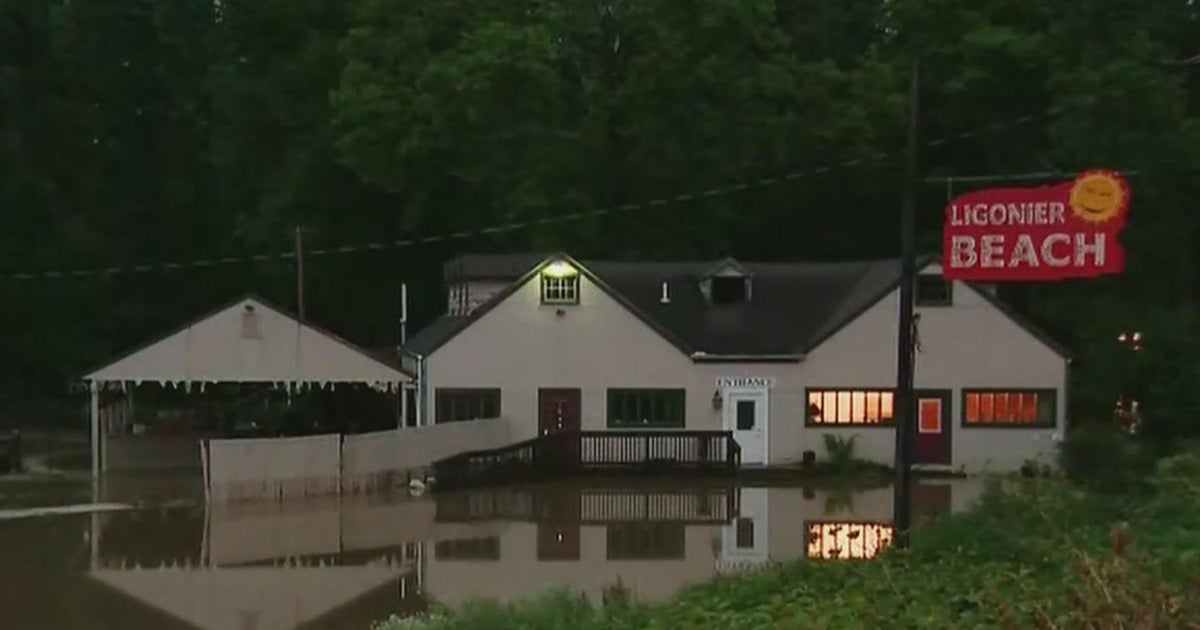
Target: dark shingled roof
(793, 306)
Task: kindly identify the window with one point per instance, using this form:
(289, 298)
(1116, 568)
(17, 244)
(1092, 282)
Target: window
(560, 284)
(933, 290)
(1009, 408)
(729, 289)
(456, 405)
(847, 541)
(745, 415)
(468, 549)
(648, 540)
(851, 406)
(646, 408)
(745, 533)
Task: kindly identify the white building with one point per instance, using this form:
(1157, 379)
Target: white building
(781, 354)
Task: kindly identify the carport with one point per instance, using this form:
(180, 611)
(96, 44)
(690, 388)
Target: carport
(249, 342)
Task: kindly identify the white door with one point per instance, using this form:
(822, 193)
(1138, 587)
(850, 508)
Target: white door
(744, 540)
(746, 414)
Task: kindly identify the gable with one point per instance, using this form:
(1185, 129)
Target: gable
(249, 341)
(276, 597)
(975, 311)
(518, 324)
(444, 329)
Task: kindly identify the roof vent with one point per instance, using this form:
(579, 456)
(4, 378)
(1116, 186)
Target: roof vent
(250, 323)
(666, 295)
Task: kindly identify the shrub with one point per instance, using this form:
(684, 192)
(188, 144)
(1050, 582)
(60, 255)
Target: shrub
(1105, 459)
(841, 452)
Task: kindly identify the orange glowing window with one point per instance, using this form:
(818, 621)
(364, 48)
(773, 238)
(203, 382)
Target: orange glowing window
(1028, 408)
(838, 407)
(930, 416)
(847, 541)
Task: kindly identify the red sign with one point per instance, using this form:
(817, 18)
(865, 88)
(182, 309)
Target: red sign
(1048, 233)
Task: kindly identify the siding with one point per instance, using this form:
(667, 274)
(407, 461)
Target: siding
(521, 345)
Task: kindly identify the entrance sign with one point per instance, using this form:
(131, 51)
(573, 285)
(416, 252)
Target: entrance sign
(752, 382)
(1048, 233)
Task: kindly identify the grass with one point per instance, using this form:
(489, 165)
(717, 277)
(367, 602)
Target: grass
(1035, 553)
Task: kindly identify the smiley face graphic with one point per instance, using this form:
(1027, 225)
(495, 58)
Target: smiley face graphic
(1099, 196)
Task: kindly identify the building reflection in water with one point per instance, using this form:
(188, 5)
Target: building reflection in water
(333, 564)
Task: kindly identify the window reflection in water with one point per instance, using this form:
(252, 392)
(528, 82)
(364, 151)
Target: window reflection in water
(847, 541)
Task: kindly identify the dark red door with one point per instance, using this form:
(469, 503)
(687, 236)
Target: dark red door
(558, 412)
(932, 444)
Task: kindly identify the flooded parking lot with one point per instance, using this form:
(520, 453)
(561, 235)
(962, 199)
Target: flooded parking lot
(167, 560)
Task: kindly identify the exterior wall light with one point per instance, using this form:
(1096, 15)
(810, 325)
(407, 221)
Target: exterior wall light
(559, 269)
(716, 399)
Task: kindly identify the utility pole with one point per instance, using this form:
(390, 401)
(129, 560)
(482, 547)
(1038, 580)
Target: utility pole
(905, 403)
(299, 275)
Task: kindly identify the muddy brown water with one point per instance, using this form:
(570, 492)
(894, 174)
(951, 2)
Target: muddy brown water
(170, 561)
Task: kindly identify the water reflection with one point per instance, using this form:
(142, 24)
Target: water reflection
(343, 563)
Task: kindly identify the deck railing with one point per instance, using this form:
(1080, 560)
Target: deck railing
(703, 503)
(576, 452)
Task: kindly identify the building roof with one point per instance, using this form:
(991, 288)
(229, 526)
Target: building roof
(215, 348)
(793, 307)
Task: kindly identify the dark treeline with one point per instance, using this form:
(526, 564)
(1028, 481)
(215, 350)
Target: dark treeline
(137, 131)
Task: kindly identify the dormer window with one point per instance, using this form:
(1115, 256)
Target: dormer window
(560, 283)
(729, 282)
(730, 290)
(933, 290)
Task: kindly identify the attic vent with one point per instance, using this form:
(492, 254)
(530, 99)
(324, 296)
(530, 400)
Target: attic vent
(250, 323)
(666, 295)
(730, 290)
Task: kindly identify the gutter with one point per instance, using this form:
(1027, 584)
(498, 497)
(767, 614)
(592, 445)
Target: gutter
(704, 357)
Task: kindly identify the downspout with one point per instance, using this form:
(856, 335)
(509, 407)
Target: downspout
(422, 391)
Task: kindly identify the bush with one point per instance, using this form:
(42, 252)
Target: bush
(1034, 553)
(841, 452)
(1103, 458)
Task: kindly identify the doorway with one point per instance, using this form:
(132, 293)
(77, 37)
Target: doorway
(558, 410)
(932, 443)
(746, 414)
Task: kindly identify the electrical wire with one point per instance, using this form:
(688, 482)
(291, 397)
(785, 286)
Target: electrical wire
(681, 198)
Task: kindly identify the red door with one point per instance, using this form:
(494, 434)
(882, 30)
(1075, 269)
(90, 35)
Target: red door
(932, 444)
(558, 412)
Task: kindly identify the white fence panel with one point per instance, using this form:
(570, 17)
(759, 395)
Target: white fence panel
(328, 464)
(274, 467)
(368, 460)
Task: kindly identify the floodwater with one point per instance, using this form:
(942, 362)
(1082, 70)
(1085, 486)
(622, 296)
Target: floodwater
(157, 557)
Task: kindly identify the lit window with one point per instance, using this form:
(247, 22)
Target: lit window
(850, 407)
(1019, 408)
(933, 290)
(847, 541)
(560, 284)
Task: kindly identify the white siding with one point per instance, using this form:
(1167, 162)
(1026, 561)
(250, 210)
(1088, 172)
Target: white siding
(521, 345)
(219, 349)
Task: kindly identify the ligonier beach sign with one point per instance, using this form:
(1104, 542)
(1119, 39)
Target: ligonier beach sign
(1056, 232)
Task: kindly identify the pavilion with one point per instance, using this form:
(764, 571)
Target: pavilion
(249, 341)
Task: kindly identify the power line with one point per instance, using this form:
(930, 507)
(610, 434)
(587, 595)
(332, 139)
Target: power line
(719, 191)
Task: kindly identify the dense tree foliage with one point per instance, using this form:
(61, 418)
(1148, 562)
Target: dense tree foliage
(146, 131)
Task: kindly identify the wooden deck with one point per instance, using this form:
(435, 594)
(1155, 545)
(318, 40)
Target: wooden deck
(566, 454)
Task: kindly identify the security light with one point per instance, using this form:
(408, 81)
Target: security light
(559, 269)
